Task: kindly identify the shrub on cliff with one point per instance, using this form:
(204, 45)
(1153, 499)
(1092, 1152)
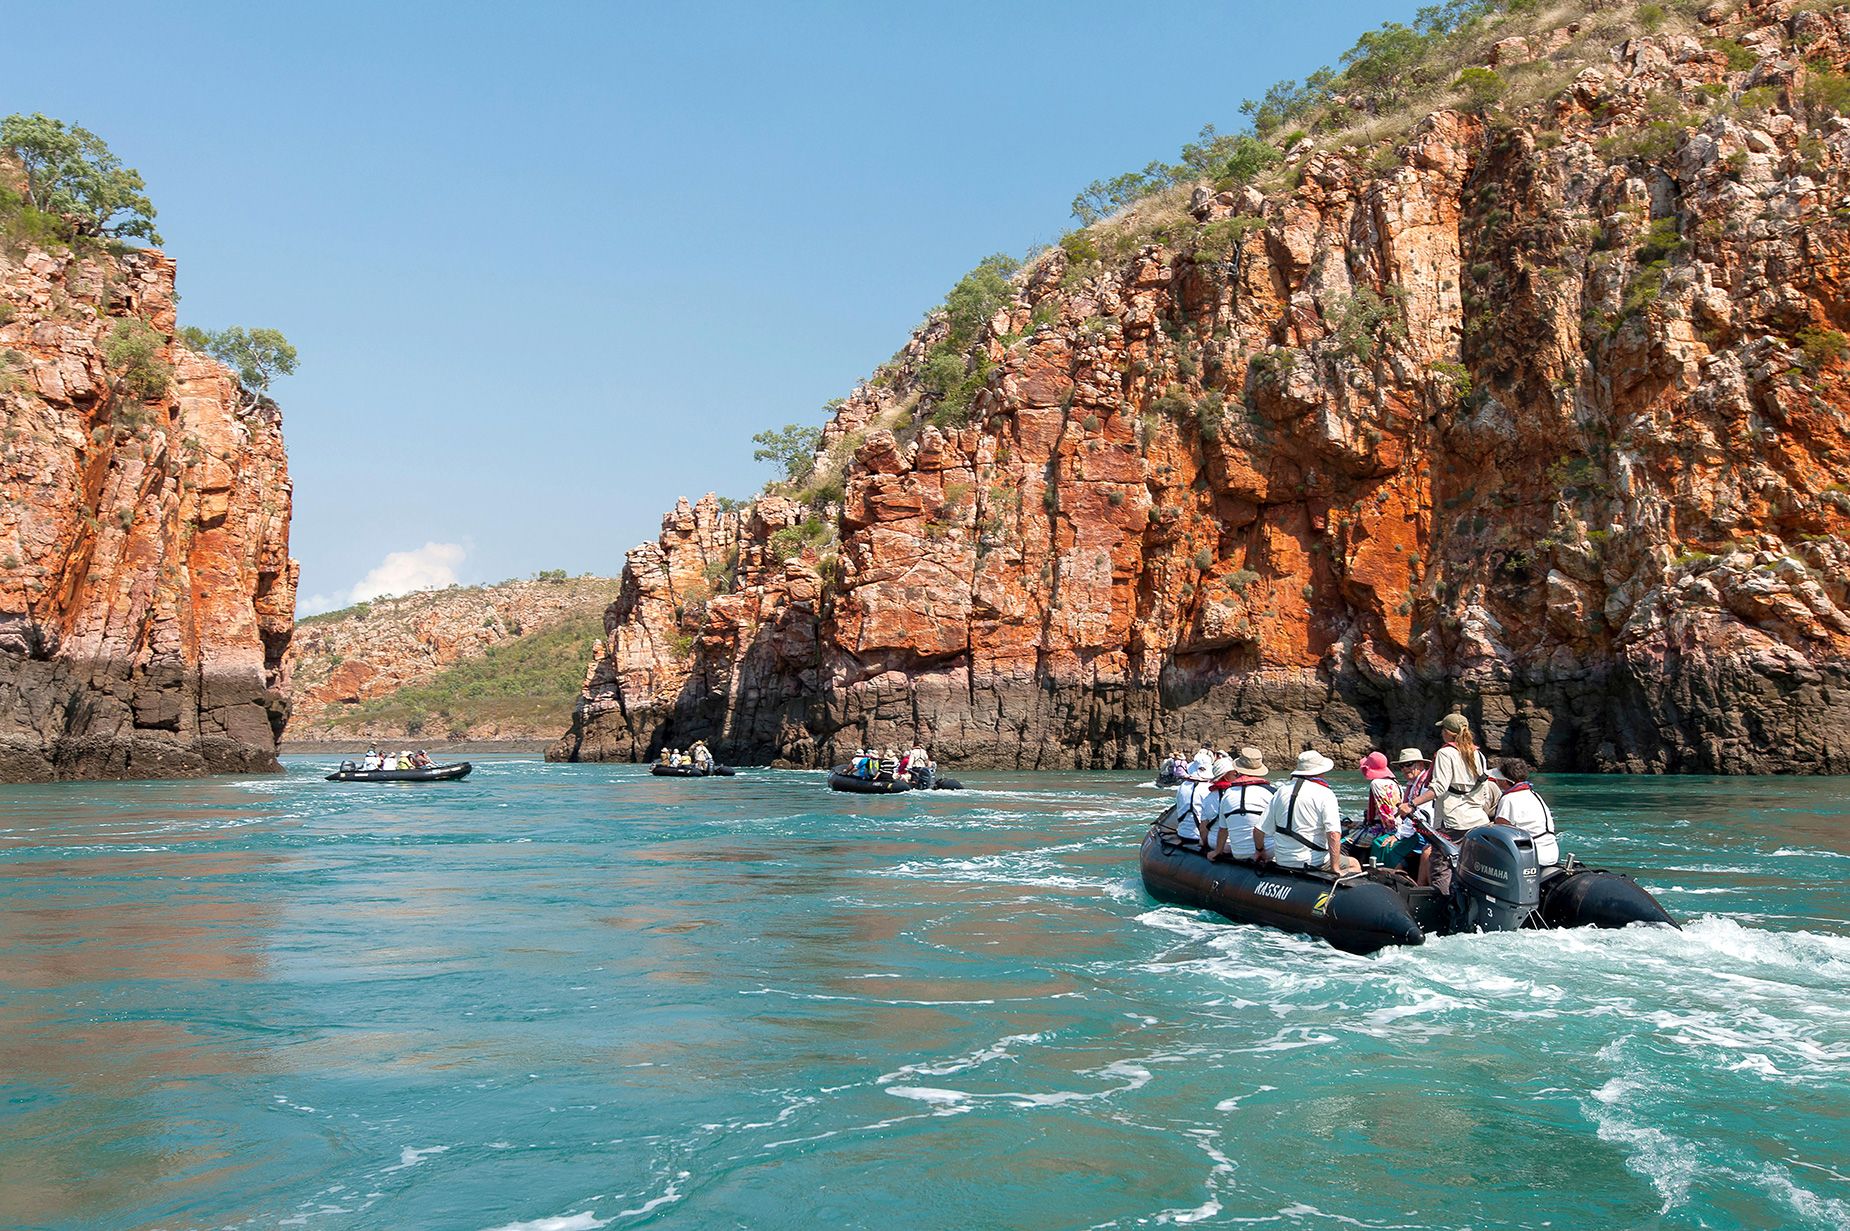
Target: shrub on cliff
(131, 351)
(258, 356)
(1482, 87)
(948, 373)
(71, 173)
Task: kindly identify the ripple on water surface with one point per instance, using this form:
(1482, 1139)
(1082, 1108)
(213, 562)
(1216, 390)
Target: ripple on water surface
(553, 998)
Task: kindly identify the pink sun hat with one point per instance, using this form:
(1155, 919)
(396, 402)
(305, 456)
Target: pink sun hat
(1374, 766)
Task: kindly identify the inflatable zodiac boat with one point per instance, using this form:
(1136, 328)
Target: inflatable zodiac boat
(690, 771)
(1498, 887)
(842, 779)
(350, 772)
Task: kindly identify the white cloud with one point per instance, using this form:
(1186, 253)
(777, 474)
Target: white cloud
(430, 567)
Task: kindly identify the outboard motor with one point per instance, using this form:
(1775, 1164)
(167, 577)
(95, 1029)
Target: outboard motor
(1497, 885)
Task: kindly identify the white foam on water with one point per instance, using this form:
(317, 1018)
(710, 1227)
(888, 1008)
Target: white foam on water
(668, 1197)
(411, 1156)
(1799, 852)
(563, 1222)
(928, 1094)
(999, 1050)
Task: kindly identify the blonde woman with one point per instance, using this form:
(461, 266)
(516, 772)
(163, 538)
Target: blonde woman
(1462, 795)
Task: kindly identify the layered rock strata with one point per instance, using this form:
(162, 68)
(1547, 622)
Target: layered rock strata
(1547, 415)
(146, 590)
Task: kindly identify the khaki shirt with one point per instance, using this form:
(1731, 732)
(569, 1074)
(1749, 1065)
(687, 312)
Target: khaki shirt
(1464, 800)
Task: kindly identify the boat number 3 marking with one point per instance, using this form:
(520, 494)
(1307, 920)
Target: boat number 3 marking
(1273, 889)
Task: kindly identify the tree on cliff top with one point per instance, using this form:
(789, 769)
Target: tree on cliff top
(70, 172)
(258, 356)
(794, 448)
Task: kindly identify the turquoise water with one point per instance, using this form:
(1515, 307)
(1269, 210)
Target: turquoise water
(562, 998)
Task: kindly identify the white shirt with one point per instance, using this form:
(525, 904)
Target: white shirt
(1525, 810)
(1317, 817)
(1192, 792)
(1193, 799)
(1238, 810)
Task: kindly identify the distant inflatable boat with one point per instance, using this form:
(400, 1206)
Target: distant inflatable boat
(1497, 888)
(841, 778)
(349, 772)
(689, 771)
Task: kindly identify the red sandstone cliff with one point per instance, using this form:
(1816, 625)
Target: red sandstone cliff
(1544, 413)
(146, 590)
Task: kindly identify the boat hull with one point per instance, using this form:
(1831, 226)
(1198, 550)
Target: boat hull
(435, 773)
(1355, 914)
(1379, 908)
(841, 780)
(688, 771)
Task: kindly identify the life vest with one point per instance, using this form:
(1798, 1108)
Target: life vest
(1291, 817)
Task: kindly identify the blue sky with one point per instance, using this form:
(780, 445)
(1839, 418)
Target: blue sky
(549, 266)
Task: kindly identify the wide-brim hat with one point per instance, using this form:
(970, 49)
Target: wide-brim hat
(1496, 772)
(1311, 763)
(1250, 761)
(1374, 765)
(1411, 756)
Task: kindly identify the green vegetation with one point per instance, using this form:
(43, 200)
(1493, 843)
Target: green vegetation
(950, 375)
(532, 679)
(72, 175)
(1740, 59)
(1827, 89)
(1366, 318)
(792, 450)
(258, 356)
(792, 541)
(12, 363)
(1210, 409)
(131, 352)
(1821, 346)
(1661, 241)
(1219, 240)
(1482, 87)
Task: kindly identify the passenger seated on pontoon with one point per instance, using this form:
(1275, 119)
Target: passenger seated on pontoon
(1524, 809)
(1192, 790)
(1304, 823)
(889, 764)
(372, 760)
(702, 758)
(403, 761)
(1242, 797)
(420, 759)
(865, 765)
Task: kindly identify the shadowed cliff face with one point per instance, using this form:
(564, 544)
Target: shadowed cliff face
(1543, 418)
(146, 590)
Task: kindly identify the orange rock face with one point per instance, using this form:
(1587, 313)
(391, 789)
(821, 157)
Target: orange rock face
(1543, 421)
(146, 590)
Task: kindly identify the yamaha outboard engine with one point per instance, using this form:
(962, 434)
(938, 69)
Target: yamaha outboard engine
(1497, 885)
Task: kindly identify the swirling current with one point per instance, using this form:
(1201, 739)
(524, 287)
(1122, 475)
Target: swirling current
(564, 997)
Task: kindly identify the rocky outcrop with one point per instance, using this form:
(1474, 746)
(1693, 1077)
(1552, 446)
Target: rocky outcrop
(146, 591)
(1545, 414)
(371, 653)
